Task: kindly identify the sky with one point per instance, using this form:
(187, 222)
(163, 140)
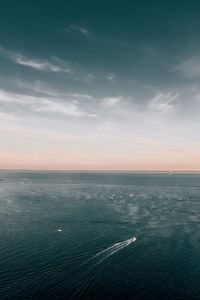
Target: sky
(100, 85)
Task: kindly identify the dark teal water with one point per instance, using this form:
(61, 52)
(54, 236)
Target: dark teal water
(94, 257)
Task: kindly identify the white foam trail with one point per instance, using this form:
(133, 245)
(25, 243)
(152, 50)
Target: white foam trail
(84, 273)
(104, 254)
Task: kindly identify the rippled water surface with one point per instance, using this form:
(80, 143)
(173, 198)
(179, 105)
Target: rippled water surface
(96, 255)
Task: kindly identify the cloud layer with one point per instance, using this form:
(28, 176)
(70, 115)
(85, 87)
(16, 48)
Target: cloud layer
(92, 88)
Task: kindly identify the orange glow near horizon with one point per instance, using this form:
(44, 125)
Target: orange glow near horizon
(39, 150)
(87, 162)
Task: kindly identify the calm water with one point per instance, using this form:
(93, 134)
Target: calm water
(94, 256)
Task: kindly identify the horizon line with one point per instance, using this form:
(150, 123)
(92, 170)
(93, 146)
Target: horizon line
(102, 170)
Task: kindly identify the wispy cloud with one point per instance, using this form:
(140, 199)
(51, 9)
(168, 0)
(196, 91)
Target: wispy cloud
(21, 104)
(42, 65)
(110, 76)
(68, 109)
(55, 65)
(163, 102)
(77, 29)
(111, 101)
(35, 86)
(190, 67)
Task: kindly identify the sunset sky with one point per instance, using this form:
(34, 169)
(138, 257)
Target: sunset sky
(100, 85)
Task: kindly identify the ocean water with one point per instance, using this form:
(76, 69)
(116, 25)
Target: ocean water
(123, 235)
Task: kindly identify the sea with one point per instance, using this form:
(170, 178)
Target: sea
(99, 235)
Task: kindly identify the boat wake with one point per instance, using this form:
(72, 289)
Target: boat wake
(80, 280)
(88, 273)
(104, 254)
